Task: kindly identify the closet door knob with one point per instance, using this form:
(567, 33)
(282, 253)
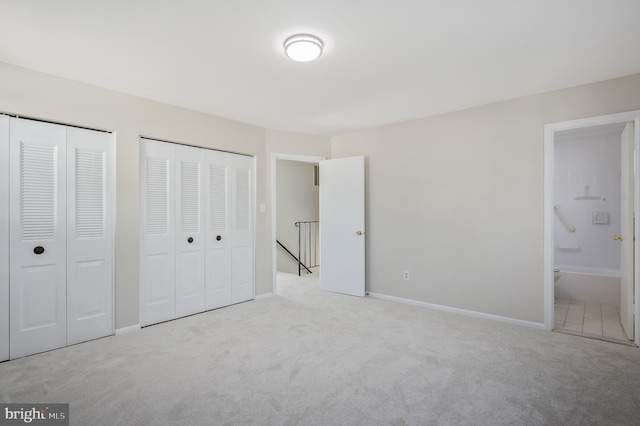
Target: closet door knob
(218, 238)
(38, 250)
(190, 240)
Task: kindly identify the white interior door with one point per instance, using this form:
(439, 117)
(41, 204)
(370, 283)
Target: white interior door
(38, 320)
(4, 238)
(190, 236)
(157, 224)
(242, 282)
(218, 245)
(342, 233)
(90, 156)
(627, 232)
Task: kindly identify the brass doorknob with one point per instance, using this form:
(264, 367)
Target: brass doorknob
(618, 237)
(359, 233)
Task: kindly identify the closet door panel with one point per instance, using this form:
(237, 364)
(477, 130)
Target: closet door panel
(190, 236)
(37, 237)
(4, 238)
(157, 242)
(242, 226)
(89, 241)
(218, 224)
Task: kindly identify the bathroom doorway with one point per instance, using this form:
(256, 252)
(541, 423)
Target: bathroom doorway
(589, 232)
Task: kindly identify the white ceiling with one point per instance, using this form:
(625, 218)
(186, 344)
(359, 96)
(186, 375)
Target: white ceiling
(384, 61)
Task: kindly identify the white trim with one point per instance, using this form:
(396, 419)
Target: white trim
(113, 229)
(254, 214)
(264, 296)
(141, 222)
(4, 237)
(549, 136)
(459, 311)
(548, 227)
(274, 157)
(129, 329)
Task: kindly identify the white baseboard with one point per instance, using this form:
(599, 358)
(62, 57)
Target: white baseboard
(264, 296)
(474, 314)
(130, 329)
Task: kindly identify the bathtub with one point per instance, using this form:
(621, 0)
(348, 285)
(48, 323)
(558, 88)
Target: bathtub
(588, 284)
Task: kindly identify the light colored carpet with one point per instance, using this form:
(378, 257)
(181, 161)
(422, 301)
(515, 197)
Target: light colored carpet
(311, 357)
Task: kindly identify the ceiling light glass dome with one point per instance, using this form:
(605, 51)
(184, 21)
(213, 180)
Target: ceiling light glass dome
(303, 47)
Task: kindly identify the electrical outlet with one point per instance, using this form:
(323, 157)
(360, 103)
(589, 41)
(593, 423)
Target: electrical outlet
(406, 275)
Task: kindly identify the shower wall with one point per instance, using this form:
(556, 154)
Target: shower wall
(590, 158)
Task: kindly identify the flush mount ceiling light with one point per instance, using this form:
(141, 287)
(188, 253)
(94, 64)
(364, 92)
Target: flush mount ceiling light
(303, 47)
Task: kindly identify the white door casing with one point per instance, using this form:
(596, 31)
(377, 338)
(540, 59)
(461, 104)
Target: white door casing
(626, 231)
(4, 238)
(218, 235)
(549, 217)
(342, 225)
(190, 236)
(37, 237)
(90, 156)
(274, 169)
(157, 242)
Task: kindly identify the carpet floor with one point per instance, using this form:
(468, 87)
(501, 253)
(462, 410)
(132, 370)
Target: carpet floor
(307, 357)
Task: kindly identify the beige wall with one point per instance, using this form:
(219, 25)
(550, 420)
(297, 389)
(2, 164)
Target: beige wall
(455, 199)
(458, 199)
(32, 94)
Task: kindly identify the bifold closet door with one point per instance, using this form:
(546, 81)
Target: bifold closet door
(4, 238)
(89, 242)
(197, 230)
(229, 229)
(242, 288)
(38, 320)
(190, 235)
(218, 230)
(157, 244)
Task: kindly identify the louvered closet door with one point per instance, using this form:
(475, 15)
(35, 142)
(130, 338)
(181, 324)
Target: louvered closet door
(4, 238)
(157, 242)
(37, 237)
(190, 236)
(89, 241)
(218, 224)
(242, 267)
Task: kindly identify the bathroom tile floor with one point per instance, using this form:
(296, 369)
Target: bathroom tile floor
(597, 319)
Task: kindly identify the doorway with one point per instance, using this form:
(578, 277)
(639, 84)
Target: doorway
(300, 205)
(342, 223)
(297, 217)
(584, 203)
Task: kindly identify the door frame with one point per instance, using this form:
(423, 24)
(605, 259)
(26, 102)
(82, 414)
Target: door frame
(549, 145)
(274, 167)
